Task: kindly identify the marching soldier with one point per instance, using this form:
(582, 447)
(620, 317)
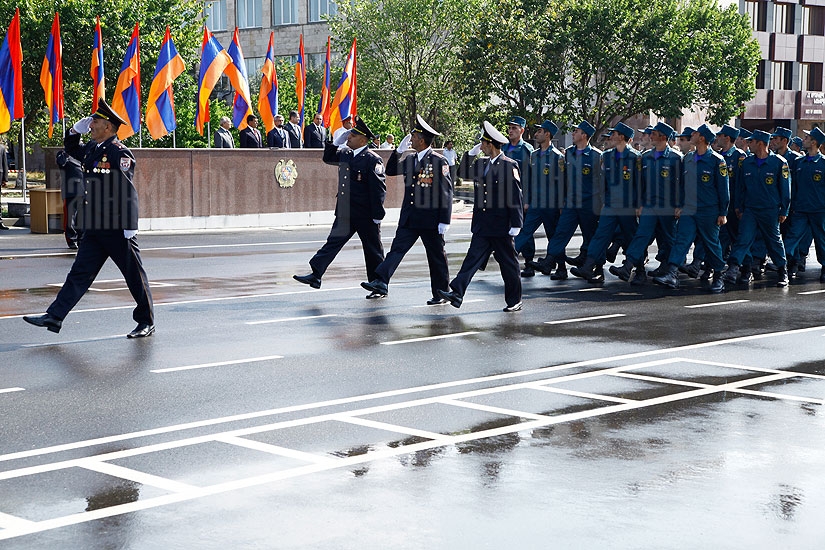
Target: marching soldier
(701, 209)
(498, 215)
(763, 199)
(661, 181)
(425, 211)
(780, 144)
(620, 186)
(360, 205)
(542, 194)
(734, 157)
(108, 219)
(582, 202)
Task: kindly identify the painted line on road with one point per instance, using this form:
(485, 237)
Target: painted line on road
(584, 395)
(138, 477)
(490, 409)
(596, 318)
(398, 392)
(448, 303)
(12, 522)
(83, 341)
(10, 390)
(713, 304)
(219, 364)
(597, 289)
(358, 421)
(274, 449)
(287, 319)
(424, 339)
(760, 393)
(811, 292)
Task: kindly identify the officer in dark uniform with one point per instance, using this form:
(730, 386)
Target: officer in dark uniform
(661, 179)
(360, 205)
(702, 209)
(808, 200)
(108, 218)
(498, 214)
(763, 202)
(543, 189)
(425, 211)
(620, 191)
(582, 202)
(71, 189)
(734, 157)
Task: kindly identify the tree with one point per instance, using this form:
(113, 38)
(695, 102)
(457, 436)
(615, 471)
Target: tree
(409, 59)
(608, 60)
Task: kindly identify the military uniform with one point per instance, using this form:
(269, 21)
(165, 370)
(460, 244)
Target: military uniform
(71, 189)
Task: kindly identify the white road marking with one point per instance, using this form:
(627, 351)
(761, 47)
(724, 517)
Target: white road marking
(48, 344)
(10, 522)
(9, 390)
(584, 395)
(811, 292)
(138, 477)
(596, 318)
(712, 304)
(426, 338)
(774, 395)
(595, 289)
(404, 391)
(287, 319)
(275, 449)
(219, 364)
(660, 380)
(152, 284)
(390, 427)
(490, 409)
(448, 303)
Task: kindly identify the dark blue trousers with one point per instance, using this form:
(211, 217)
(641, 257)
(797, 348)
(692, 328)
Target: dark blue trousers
(570, 219)
(688, 229)
(533, 219)
(606, 234)
(405, 238)
(759, 222)
(662, 227)
(802, 225)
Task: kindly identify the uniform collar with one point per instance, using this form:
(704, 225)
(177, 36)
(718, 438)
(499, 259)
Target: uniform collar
(424, 153)
(493, 160)
(356, 152)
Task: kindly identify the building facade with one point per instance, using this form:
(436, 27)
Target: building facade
(790, 84)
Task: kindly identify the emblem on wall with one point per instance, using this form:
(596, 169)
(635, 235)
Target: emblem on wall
(286, 173)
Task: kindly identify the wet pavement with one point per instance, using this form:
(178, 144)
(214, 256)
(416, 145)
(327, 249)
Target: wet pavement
(264, 414)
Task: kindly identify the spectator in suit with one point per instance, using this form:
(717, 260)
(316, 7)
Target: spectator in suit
(251, 136)
(277, 136)
(293, 130)
(315, 133)
(223, 137)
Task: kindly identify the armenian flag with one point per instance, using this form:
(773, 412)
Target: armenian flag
(344, 103)
(51, 75)
(96, 72)
(126, 100)
(214, 61)
(160, 112)
(11, 75)
(323, 105)
(236, 71)
(268, 97)
(300, 81)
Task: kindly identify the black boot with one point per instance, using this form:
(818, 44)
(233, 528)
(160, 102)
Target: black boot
(822, 275)
(624, 272)
(731, 274)
(670, 279)
(586, 271)
(578, 261)
(717, 285)
(613, 251)
(745, 275)
(639, 276)
(544, 265)
(691, 269)
(782, 276)
(561, 272)
(793, 270)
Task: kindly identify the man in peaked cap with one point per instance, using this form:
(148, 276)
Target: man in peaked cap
(542, 186)
(360, 203)
(763, 201)
(498, 215)
(702, 209)
(582, 202)
(108, 219)
(425, 211)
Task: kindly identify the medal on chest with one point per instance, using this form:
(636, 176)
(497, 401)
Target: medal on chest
(425, 176)
(103, 166)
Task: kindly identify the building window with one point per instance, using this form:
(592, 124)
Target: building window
(758, 13)
(760, 75)
(284, 12)
(783, 18)
(253, 71)
(782, 75)
(215, 14)
(810, 76)
(248, 13)
(813, 20)
(319, 8)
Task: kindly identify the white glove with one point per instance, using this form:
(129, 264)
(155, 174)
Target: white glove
(443, 228)
(341, 139)
(376, 222)
(405, 144)
(83, 125)
(514, 231)
(129, 233)
(475, 151)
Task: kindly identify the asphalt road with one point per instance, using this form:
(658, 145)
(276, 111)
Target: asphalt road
(265, 414)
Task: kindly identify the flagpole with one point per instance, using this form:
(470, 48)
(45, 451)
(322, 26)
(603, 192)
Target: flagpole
(208, 134)
(174, 146)
(64, 127)
(22, 152)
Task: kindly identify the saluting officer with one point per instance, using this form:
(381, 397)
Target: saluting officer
(620, 186)
(360, 204)
(702, 209)
(543, 181)
(108, 219)
(808, 200)
(582, 202)
(763, 199)
(425, 211)
(661, 180)
(498, 214)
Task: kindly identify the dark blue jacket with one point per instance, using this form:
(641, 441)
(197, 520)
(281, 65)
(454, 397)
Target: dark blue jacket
(582, 169)
(544, 180)
(428, 189)
(499, 204)
(764, 185)
(808, 184)
(705, 190)
(661, 181)
(362, 186)
(621, 181)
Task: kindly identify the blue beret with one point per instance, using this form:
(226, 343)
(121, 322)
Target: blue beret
(518, 121)
(548, 126)
(782, 132)
(760, 135)
(729, 131)
(817, 134)
(586, 127)
(705, 131)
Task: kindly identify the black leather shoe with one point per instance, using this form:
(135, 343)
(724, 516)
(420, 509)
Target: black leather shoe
(72, 245)
(578, 261)
(544, 265)
(528, 271)
(612, 252)
(782, 277)
(3, 226)
(511, 309)
(309, 279)
(376, 287)
(142, 331)
(560, 274)
(375, 296)
(822, 275)
(436, 301)
(51, 323)
(452, 297)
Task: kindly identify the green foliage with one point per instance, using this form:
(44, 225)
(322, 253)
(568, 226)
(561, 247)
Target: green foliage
(607, 60)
